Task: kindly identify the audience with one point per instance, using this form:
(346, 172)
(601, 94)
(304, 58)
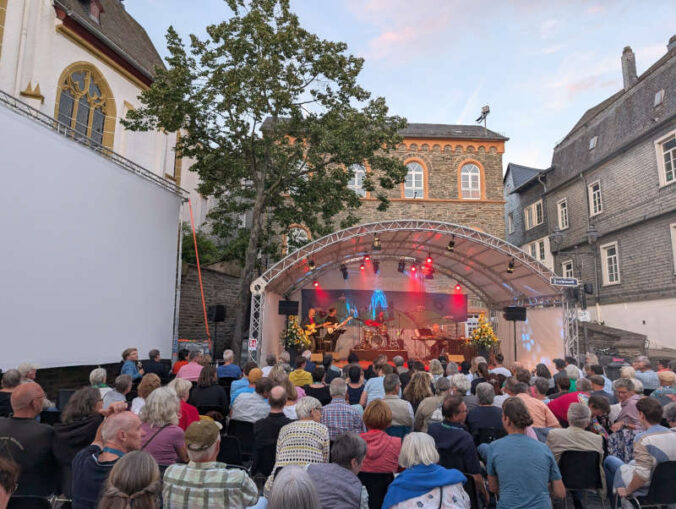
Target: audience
(11, 379)
(251, 407)
(499, 369)
(559, 406)
(665, 393)
(398, 362)
(155, 365)
(355, 386)
(436, 369)
(627, 424)
(148, 384)
(253, 375)
(481, 376)
(540, 413)
(181, 361)
(646, 374)
(97, 379)
(163, 438)
(28, 371)
(542, 371)
(560, 366)
(119, 393)
(270, 361)
(188, 413)
(207, 392)
(266, 430)
(330, 369)
(295, 489)
(300, 376)
(596, 369)
(192, 370)
(374, 388)
(598, 385)
(231, 370)
(460, 385)
(309, 365)
(670, 415)
(539, 389)
(562, 387)
(205, 483)
(130, 364)
(318, 389)
(9, 475)
(120, 433)
(28, 443)
(418, 389)
(134, 481)
(293, 394)
(524, 485)
(337, 484)
(428, 406)
(424, 483)
(382, 450)
(402, 411)
(486, 415)
(338, 416)
(303, 441)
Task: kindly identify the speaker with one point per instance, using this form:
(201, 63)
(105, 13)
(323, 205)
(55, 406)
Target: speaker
(288, 307)
(216, 313)
(515, 313)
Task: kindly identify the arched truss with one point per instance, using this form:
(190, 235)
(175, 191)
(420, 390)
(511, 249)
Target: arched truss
(479, 262)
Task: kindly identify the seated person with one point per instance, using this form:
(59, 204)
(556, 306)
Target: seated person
(338, 416)
(270, 361)
(486, 415)
(429, 406)
(382, 450)
(119, 393)
(11, 379)
(252, 377)
(28, 443)
(251, 407)
(181, 361)
(299, 376)
(402, 411)
(9, 476)
(205, 483)
(559, 406)
(318, 389)
(244, 381)
(598, 384)
(228, 369)
(266, 430)
(208, 393)
(337, 483)
(154, 365)
(192, 370)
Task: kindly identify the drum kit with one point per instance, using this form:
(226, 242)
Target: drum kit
(376, 337)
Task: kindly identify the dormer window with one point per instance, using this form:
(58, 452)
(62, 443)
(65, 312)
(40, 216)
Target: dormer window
(592, 142)
(659, 98)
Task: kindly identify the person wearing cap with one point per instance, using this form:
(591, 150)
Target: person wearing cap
(251, 407)
(204, 482)
(255, 374)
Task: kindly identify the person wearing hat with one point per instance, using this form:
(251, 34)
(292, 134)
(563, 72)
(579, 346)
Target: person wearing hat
(254, 375)
(205, 482)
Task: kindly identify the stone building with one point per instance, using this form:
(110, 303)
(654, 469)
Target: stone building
(610, 202)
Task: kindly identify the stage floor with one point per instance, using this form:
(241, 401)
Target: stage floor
(370, 355)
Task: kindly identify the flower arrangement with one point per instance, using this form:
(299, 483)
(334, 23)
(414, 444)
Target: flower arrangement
(483, 336)
(294, 336)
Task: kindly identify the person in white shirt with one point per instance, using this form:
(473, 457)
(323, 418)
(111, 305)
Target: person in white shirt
(270, 360)
(499, 369)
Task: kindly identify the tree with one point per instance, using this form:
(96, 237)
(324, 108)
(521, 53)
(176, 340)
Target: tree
(208, 250)
(274, 119)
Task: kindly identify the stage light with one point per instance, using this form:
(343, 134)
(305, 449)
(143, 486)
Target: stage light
(458, 288)
(343, 269)
(402, 266)
(413, 267)
(367, 258)
(428, 261)
(451, 245)
(510, 267)
(376, 244)
(376, 266)
(362, 266)
(311, 264)
(315, 283)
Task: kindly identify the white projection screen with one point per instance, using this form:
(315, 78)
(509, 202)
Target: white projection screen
(88, 253)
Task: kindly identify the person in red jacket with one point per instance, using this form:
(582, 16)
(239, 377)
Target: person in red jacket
(382, 450)
(559, 406)
(188, 413)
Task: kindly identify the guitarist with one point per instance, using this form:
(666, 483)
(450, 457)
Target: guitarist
(333, 328)
(312, 328)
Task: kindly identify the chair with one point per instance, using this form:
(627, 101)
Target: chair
(264, 459)
(398, 431)
(580, 471)
(244, 432)
(662, 489)
(230, 451)
(488, 435)
(376, 485)
(27, 502)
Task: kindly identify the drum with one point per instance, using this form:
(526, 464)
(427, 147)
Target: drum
(378, 341)
(366, 339)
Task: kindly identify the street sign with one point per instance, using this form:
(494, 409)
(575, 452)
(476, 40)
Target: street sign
(253, 344)
(583, 315)
(564, 281)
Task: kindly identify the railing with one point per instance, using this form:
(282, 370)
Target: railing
(28, 111)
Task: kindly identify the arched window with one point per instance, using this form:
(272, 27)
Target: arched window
(356, 183)
(85, 104)
(470, 182)
(414, 185)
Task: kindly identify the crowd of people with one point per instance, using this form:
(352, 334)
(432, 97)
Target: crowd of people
(398, 435)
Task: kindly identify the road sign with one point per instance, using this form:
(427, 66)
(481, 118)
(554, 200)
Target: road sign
(253, 344)
(564, 281)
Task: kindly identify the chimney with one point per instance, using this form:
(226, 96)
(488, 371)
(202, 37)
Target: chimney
(628, 68)
(672, 43)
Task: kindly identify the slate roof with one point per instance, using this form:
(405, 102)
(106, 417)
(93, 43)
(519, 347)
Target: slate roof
(522, 176)
(128, 38)
(471, 132)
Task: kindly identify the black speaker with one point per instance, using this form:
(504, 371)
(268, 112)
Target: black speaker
(515, 313)
(288, 307)
(216, 313)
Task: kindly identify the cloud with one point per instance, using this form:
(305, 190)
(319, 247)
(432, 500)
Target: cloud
(548, 28)
(470, 105)
(550, 50)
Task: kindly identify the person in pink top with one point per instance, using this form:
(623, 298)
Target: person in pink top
(382, 450)
(163, 439)
(192, 370)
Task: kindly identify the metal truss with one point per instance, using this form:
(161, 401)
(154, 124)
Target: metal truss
(571, 330)
(256, 319)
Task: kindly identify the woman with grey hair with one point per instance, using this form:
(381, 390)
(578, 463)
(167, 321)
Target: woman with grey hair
(461, 385)
(163, 438)
(670, 415)
(303, 441)
(424, 483)
(11, 379)
(627, 424)
(97, 379)
(486, 415)
(294, 489)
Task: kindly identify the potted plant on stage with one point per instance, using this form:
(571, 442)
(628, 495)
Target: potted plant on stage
(483, 338)
(294, 338)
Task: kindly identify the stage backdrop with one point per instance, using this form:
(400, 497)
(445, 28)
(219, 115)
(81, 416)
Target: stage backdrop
(403, 312)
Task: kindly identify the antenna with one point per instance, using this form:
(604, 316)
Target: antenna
(484, 113)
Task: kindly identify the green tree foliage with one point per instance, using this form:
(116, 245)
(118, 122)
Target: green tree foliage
(208, 250)
(273, 117)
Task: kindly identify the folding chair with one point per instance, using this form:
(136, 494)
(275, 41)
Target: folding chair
(662, 489)
(230, 451)
(580, 471)
(376, 485)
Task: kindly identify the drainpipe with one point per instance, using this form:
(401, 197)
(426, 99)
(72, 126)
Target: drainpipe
(23, 35)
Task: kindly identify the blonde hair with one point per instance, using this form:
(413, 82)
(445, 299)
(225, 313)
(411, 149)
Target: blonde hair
(436, 367)
(627, 372)
(278, 374)
(148, 384)
(667, 377)
(161, 408)
(181, 387)
(418, 448)
(290, 388)
(134, 481)
(418, 388)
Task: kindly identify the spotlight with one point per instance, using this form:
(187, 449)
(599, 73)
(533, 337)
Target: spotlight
(402, 266)
(376, 266)
(428, 261)
(376, 244)
(451, 245)
(458, 288)
(315, 283)
(362, 266)
(510, 267)
(367, 258)
(343, 269)
(413, 267)
(311, 264)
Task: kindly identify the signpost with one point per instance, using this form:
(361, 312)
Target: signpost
(564, 281)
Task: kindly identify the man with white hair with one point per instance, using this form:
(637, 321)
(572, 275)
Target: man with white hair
(575, 438)
(204, 483)
(119, 434)
(399, 368)
(427, 406)
(309, 365)
(339, 416)
(460, 385)
(97, 379)
(228, 369)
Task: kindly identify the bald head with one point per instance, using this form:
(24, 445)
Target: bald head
(123, 430)
(27, 400)
(277, 398)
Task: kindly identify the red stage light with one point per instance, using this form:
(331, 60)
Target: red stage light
(367, 258)
(458, 288)
(429, 260)
(362, 267)
(413, 268)
(315, 284)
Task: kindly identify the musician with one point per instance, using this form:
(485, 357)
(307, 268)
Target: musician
(309, 323)
(331, 321)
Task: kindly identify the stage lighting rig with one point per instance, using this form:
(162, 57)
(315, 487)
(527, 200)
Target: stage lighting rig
(311, 264)
(510, 267)
(451, 245)
(343, 269)
(402, 266)
(376, 246)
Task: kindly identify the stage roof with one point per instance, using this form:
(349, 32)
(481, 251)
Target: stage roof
(479, 261)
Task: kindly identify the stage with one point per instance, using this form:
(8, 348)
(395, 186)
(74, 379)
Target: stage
(370, 355)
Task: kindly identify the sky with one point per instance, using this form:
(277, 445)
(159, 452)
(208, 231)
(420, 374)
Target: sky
(539, 65)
